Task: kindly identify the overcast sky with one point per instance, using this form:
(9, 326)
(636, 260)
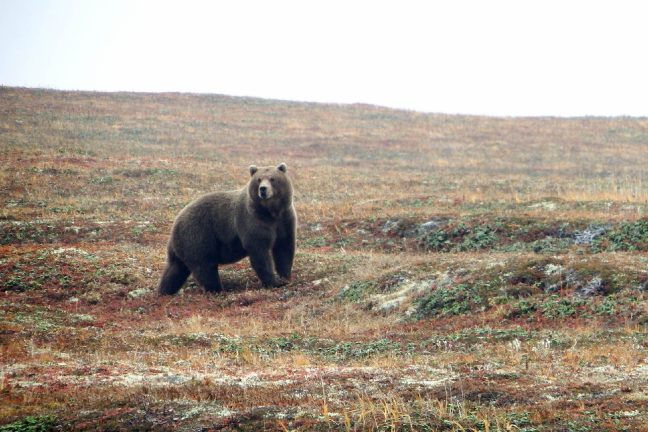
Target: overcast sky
(566, 58)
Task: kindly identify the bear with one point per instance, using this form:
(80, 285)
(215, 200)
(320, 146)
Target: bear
(257, 221)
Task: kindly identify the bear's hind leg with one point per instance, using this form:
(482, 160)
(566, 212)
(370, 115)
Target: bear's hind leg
(207, 276)
(175, 274)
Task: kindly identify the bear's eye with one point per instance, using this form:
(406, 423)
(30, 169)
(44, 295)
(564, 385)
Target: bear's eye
(259, 180)
(271, 179)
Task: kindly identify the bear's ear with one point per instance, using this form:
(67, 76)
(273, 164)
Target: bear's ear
(282, 167)
(253, 169)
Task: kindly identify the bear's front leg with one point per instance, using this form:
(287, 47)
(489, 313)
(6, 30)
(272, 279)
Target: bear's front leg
(283, 253)
(262, 264)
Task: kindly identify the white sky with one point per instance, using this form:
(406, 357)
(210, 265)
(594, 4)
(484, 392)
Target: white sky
(523, 57)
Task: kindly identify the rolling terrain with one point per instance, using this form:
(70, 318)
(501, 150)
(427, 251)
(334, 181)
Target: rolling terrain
(452, 272)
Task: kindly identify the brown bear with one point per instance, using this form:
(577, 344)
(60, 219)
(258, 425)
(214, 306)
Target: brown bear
(258, 221)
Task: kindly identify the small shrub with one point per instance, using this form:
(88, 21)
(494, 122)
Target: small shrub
(560, 307)
(627, 236)
(436, 241)
(452, 301)
(459, 238)
(607, 307)
(522, 308)
(356, 291)
(549, 245)
(481, 237)
(31, 424)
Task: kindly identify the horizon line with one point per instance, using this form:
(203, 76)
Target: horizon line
(329, 103)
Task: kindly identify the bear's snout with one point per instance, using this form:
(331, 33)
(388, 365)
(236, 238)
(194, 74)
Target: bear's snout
(265, 189)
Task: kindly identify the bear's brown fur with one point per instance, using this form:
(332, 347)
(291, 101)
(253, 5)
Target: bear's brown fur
(258, 221)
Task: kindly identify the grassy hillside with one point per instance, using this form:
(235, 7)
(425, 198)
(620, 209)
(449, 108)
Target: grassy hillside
(453, 272)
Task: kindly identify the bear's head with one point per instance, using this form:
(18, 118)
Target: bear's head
(270, 186)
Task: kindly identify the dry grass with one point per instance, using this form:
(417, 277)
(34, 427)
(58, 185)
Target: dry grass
(488, 328)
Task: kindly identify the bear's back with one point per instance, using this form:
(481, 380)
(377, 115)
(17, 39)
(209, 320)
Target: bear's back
(205, 223)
